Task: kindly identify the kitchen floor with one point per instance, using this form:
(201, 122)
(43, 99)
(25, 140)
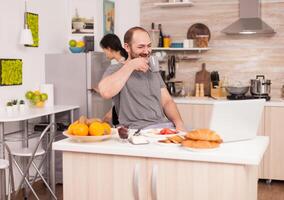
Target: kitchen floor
(274, 191)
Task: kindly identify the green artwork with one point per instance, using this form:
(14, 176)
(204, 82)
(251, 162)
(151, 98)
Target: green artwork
(32, 21)
(11, 72)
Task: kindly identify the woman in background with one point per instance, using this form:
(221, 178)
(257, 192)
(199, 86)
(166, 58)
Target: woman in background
(113, 50)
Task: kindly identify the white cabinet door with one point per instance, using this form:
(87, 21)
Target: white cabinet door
(107, 177)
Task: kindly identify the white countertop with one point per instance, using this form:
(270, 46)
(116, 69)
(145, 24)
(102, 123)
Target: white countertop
(33, 112)
(249, 152)
(207, 100)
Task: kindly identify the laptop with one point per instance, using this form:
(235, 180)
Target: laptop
(237, 120)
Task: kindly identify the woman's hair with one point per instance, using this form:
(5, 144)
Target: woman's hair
(113, 42)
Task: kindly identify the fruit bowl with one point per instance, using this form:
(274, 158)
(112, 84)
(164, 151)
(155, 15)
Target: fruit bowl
(76, 49)
(90, 138)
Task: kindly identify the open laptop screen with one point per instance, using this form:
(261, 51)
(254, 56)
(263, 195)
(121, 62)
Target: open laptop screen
(237, 120)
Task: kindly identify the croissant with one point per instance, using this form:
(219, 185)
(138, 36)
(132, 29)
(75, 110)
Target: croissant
(200, 144)
(204, 134)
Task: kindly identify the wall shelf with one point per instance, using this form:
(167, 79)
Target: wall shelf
(180, 49)
(174, 4)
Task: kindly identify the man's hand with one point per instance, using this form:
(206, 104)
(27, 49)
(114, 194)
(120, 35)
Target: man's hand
(139, 64)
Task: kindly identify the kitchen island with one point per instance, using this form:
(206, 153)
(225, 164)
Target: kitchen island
(112, 170)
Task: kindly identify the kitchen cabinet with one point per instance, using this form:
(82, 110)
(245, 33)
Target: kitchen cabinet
(114, 177)
(104, 177)
(198, 116)
(273, 158)
(195, 115)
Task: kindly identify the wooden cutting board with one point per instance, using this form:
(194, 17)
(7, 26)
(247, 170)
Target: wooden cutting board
(203, 76)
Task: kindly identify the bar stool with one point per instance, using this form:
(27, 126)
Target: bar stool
(5, 164)
(30, 153)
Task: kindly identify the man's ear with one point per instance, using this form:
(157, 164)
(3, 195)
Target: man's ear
(127, 47)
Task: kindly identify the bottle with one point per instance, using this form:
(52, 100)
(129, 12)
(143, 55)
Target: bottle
(152, 26)
(197, 90)
(167, 41)
(201, 90)
(161, 37)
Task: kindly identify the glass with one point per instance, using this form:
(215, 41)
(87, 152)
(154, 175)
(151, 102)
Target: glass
(123, 133)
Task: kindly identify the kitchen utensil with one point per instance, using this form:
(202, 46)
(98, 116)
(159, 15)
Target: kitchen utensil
(171, 67)
(198, 29)
(215, 79)
(163, 75)
(171, 87)
(260, 86)
(237, 90)
(203, 76)
(137, 133)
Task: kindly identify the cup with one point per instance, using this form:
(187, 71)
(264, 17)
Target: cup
(188, 43)
(154, 64)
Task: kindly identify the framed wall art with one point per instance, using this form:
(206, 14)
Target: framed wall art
(32, 21)
(108, 12)
(11, 72)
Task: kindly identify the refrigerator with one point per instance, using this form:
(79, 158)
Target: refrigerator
(72, 75)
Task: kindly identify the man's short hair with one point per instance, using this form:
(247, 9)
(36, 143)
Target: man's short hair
(129, 34)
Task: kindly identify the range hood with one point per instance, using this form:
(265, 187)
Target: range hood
(250, 21)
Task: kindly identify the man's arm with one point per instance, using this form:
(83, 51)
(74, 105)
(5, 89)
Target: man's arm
(170, 109)
(112, 84)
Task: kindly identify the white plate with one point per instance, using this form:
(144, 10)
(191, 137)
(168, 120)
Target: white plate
(200, 150)
(155, 133)
(90, 138)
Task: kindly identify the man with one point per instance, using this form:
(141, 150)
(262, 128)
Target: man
(140, 96)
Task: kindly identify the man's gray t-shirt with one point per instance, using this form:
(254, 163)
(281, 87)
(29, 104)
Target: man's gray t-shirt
(138, 104)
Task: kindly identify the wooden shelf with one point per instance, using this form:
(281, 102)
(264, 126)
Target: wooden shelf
(174, 4)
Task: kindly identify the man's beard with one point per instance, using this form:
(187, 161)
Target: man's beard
(135, 55)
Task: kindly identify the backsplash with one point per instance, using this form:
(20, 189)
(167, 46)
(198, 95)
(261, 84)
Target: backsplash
(238, 57)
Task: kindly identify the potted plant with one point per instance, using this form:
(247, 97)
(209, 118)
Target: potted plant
(9, 107)
(78, 22)
(22, 105)
(15, 105)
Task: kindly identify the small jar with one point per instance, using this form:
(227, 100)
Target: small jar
(202, 41)
(167, 41)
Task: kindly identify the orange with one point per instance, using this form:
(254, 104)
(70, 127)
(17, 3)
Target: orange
(80, 130)
(96, 129)
(107, 128)
(40, 104)
(72, 127)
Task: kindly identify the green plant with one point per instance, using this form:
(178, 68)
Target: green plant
(14, 102)
(9, 103)
(22, 102)
(32, 21)
(11, 71)
(77, 18)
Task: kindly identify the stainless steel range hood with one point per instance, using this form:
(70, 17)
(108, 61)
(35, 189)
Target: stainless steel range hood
(250, 21)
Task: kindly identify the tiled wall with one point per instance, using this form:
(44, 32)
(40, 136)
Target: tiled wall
(239, 58)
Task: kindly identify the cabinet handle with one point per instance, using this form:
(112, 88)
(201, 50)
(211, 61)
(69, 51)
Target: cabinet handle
(154, 182)
(136, 181)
